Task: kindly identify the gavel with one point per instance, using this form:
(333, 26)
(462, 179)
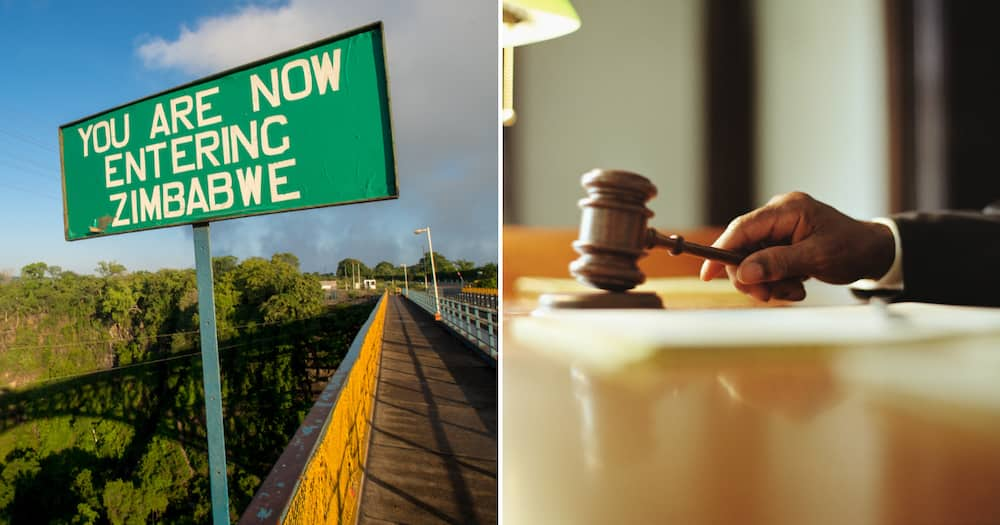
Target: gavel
(614, 235)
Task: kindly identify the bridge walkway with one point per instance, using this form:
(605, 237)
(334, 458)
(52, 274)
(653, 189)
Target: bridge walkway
(433, 451)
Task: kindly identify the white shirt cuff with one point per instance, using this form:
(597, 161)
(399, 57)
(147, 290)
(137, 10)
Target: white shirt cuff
(893, 279)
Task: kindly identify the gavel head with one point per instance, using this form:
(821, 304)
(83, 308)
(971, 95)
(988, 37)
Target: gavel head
(613, 231)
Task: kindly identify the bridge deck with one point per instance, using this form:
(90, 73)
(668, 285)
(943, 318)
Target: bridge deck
(433, 451)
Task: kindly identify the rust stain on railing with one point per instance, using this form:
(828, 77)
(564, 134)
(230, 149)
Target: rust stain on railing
(317, 479)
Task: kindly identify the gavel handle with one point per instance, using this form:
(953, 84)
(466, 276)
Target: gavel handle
(677, 245)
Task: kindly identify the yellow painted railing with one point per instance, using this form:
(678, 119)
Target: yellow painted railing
(320, 479)
(481, 291)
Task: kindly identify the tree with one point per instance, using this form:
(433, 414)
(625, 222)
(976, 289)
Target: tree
(163, 474)
(464, 265)
(301, 300)
(345, 268)
(275, 291)
(91, 467)
(287, 258)
(385, 269)
(223, 265)
(441, 264)
(486, 276)
(34, 270)
(110, 269)
(489, 271)
(117, 303)
(124, 503)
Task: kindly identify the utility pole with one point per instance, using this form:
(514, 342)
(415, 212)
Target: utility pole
(430, 247)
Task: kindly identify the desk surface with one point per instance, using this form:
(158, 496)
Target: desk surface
(901, 429)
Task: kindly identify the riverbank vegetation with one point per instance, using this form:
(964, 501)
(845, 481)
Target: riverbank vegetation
(101, 399)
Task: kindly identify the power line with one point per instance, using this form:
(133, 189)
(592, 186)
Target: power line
(30, 160)
(144, 363)
(140, 338)
(28, 140)
(147, 363)
(116, 369)
(97, 341)
(37, 178)
(32, 192)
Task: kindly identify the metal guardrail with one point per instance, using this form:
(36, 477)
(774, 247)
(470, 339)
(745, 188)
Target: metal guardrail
(317, 479)
(477, 297)
(477, 324)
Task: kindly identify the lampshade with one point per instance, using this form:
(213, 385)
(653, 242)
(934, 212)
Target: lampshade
(529, 21)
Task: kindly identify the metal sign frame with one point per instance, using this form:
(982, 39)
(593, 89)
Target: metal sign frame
(381, 73)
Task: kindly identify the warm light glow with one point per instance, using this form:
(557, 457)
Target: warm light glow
(529, 21)
(507, 116)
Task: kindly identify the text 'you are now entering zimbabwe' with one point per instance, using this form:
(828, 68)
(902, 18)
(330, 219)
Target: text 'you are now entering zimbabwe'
(188, 133)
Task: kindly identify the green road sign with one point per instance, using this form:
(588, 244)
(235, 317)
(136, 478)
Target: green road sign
(303, 129)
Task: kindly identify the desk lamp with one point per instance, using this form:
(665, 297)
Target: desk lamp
(527, 22)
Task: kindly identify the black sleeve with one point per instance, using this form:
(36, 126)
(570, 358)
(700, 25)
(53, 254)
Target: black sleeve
(950, 257)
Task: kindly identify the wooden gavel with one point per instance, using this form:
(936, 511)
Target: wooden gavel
(614, 235)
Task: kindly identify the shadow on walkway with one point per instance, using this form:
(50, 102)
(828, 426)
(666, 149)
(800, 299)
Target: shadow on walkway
(433, 451)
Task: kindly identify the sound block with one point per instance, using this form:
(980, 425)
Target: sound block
(614, 300)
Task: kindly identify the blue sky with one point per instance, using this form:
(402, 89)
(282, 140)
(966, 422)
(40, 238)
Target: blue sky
(63, 60)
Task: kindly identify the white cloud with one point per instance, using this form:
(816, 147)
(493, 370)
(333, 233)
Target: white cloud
(443, 80)
(224, 41)
(254, 32)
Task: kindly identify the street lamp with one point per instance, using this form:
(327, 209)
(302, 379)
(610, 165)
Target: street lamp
(406, 281)
(430, 247)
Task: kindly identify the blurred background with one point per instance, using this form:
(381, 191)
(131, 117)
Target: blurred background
(873, 106)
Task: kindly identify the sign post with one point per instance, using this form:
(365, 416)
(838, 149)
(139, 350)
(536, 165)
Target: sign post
(303, 129)
(210, 375)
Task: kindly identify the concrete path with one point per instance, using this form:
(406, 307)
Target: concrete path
(433, 451)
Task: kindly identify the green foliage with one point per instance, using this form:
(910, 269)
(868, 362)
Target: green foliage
(275, 290)
(348, 268)
(489, 271)
(386, 269)
(464, 265)
(485, 283)
(288, 258)
(88, 510)
(127, 445)
(57, 437)
(34, 271)
(116, 302)
(110, 438)
(124, 503)
(441, 264)
(224, 264)
(487, 276)
(163, 474)
(86, 514)
(484, 276)
(19, 465)
(109, 269)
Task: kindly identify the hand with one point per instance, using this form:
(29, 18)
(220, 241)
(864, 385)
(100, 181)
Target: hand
(795, 237)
